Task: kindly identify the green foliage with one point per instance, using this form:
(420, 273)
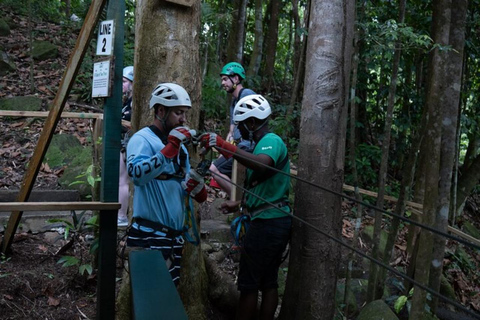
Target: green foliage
(74, 229)
(367, 162)
(87, 177)
(214, 101)
(282, 122)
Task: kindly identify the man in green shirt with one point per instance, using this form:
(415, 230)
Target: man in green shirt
(269, 230)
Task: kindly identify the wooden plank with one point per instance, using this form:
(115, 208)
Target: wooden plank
(463, 235)
(372, 194)
(154, 296)
(57, 206)
(74, 63)
(44, 114)
(389, 198)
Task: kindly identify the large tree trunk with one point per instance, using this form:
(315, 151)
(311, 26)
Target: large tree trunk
(310, 293)
(435, 88)
(375, 281)
(167, 51)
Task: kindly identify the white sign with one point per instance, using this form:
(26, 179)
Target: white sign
(105, 38)
(101, 79)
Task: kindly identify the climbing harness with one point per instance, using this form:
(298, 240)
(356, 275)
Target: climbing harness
(238, 229)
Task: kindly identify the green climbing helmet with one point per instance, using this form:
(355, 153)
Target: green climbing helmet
(233, 68)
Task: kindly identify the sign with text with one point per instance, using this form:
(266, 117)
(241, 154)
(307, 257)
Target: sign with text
(101, 79)
(105, 38)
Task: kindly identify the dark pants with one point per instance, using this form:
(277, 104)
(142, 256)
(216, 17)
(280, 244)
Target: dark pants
(264, 245)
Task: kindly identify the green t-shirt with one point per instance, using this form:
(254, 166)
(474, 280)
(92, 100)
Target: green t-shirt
(277, 187)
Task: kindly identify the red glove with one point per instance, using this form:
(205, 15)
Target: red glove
(176, 137)
(211, 139)
(195, 186)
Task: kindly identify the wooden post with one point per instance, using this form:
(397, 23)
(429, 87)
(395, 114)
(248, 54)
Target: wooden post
(61, 97)
(238, 176)
(111, 164)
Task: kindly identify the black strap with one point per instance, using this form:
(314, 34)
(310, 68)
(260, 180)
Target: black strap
(171, 233)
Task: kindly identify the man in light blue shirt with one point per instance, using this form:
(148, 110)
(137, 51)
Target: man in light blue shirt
(158, 164)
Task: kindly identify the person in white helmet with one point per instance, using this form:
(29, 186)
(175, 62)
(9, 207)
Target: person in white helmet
(269, 230)
(158, 164)
(123, 180)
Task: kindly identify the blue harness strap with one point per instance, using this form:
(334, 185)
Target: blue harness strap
(190, 223)
(239, 227)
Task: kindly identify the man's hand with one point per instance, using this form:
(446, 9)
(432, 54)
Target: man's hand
(176, 137)
(195, 186)
(230, 206)
(229, 137)
(210, 139)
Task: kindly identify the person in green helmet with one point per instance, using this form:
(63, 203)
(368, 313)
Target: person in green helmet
(232, 75)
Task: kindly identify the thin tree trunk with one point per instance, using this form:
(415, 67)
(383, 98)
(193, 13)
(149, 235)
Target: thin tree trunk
(435, 89)
(352, 156)
(309, 293)
(237, 32)
(271, 43)
(256, 57)
(300, 67)
(451, 105)
(375, 288)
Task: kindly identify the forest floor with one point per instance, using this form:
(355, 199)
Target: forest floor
(33, 285)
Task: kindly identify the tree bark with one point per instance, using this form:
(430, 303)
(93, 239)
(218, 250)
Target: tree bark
(168, 51)
(236, 36)
(375, 282)
(435, 88)
(310, 293)
(256, 57)
(450, 105)
(271, 43)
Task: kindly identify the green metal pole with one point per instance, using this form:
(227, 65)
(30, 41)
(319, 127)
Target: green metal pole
(110, 171)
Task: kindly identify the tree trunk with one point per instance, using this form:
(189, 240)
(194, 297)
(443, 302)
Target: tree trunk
(237, 31)
(271, 43)
(168, 51)
(352, 158)
(375, 286)
(256, 57)
(300, 65)
(435, 89)
(310, 293)
(451, 105)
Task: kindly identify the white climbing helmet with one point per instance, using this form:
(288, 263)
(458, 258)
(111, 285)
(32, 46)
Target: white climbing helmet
(251, 106)
(170, 95)
(128, 73)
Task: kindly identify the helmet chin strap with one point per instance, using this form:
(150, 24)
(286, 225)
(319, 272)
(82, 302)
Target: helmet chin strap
(234, 85)
(252, 132)
(164, 120)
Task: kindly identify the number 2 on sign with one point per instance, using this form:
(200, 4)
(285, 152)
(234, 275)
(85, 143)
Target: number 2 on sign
(104, 41)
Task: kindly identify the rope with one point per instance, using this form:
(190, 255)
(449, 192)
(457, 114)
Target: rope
(418, 224)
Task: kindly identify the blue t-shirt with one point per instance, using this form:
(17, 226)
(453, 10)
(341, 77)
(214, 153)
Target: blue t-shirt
(161, 201)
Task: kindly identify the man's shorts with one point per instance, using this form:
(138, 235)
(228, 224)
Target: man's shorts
(149, 238)
(264, 245)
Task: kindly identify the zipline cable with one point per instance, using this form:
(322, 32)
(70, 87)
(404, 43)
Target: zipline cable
(378, 262)
(418, 224)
